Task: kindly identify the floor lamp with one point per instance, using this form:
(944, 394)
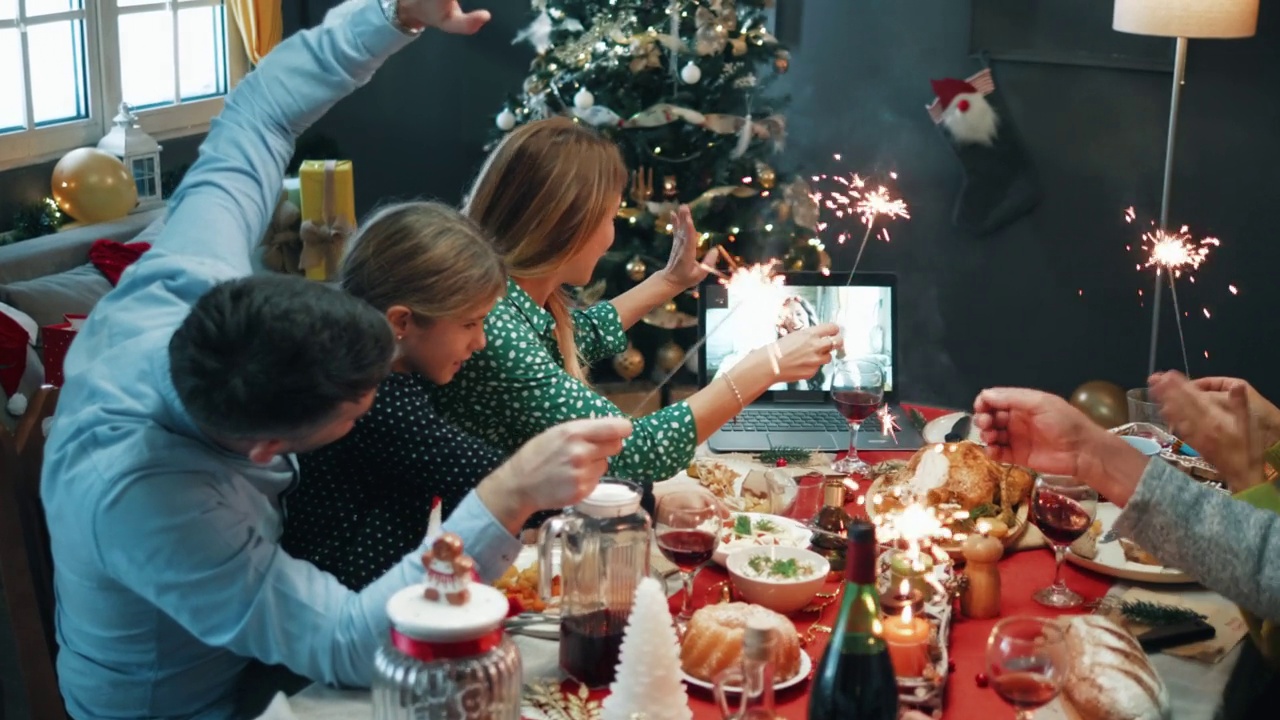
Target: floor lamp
(1181, 19)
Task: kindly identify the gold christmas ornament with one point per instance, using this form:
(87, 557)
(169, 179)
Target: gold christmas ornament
(669, 189)
(715, 22)
(670, 356)
(766, 175)
(669, 306)
(636, 269)
(782, 62)
(629, 363)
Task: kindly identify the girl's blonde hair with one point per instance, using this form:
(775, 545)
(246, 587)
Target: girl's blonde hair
(541, 194)
(425, 256)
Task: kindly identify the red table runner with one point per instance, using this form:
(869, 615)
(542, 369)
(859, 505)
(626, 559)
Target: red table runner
(1021, 574)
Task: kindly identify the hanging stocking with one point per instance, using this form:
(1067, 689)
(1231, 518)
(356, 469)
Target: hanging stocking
(999, 184)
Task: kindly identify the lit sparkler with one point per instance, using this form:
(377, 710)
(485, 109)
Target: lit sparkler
(851, 197)
(1172, 254)
(888, 423)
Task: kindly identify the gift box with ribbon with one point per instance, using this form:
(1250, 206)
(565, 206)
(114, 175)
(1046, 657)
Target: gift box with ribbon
(328, 215)
(57, 340)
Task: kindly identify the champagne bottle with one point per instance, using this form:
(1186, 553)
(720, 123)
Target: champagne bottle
(855, 679)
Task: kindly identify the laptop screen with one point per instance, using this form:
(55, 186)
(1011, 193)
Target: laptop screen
(736, 325)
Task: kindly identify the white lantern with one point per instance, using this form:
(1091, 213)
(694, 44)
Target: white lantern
(139, 152)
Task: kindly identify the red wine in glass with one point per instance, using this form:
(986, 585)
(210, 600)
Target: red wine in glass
(1025, 690)
(1061, 519)
(688, 549)
(857, 405)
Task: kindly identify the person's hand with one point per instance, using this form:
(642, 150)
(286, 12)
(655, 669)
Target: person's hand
(556, 469)
(1032, 428)
(800, 354)
(683, 269)
(1264, 412)
(447, 15)
(1217, 423)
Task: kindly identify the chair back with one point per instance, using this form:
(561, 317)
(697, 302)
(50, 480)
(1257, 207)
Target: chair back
(26, 564)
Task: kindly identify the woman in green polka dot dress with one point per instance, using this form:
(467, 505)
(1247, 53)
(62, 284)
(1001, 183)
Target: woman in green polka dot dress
(548, 194)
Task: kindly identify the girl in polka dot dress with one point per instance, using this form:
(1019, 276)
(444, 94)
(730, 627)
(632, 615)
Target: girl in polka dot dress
(548, 195)
(363, 501)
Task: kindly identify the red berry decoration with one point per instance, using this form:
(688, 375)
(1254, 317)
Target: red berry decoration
(782, 462)
(951, 666)
(981, 680)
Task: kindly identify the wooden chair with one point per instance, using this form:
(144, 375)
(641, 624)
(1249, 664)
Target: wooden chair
(26, 564)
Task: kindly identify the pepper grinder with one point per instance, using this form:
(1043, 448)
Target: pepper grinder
(981, 597)
(833, 524)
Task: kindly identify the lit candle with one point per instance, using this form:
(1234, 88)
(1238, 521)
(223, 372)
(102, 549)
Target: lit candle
(892, 603)
(912, 567)
(907, 636)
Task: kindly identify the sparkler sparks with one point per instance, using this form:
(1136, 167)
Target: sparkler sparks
(849, 197)
(888, 423)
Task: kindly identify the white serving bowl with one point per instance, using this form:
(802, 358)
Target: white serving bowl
(784, 596)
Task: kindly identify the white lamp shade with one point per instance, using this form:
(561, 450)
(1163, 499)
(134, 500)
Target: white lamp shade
(1187, 18)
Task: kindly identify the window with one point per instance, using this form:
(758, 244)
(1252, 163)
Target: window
(66, 65)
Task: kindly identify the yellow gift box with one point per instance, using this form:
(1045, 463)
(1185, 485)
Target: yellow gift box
(328, 210)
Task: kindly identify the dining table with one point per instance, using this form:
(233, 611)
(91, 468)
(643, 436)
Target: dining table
(1195, 687)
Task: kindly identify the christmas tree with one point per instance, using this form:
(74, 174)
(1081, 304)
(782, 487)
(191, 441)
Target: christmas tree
(648, 676)
(683, 87)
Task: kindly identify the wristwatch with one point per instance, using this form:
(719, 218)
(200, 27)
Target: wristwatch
(391, 9)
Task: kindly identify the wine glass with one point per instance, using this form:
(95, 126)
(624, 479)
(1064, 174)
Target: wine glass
(687, 527)
(857, 391)
(1063, 508)
(1026, 662)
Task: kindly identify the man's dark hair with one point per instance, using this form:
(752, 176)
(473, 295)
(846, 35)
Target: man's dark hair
(274, 355)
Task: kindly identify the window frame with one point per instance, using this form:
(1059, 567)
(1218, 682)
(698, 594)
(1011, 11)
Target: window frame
(102, 60)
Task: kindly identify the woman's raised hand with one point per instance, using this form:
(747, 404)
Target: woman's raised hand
(447, 15)
(683, 269)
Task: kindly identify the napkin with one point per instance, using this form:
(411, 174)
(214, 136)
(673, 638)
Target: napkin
(1221, 613)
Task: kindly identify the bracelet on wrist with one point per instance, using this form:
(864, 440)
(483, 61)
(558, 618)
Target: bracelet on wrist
(391, 10)
(734, 387)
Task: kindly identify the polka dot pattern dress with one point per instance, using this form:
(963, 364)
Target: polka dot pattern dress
(517, 387)
(362, 502)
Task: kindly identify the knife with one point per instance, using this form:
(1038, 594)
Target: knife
(959, 431)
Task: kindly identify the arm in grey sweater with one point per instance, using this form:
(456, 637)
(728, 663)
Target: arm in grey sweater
(1230, 546)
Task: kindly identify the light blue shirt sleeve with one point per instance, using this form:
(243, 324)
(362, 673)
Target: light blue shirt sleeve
(180, 537)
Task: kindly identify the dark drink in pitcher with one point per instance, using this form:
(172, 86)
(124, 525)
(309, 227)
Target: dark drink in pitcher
(589, 646)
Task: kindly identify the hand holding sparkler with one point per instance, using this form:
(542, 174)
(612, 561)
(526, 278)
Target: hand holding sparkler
(683, 269)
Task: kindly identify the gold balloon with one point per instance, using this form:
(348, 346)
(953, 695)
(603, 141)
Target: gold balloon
(1103, 402)
(629, 363)
(670, 356)
(93, 186)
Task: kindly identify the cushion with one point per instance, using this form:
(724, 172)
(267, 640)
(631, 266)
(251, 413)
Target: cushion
(50, 297)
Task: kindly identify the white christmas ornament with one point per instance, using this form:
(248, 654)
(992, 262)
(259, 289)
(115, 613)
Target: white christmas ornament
(505, 120)
(648, 678)
(583, 100)
(690, 73)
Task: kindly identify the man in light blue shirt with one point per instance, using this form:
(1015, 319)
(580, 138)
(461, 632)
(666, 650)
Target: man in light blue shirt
(168, 463)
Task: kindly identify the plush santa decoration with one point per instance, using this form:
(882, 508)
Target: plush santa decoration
(999, 185)
(17, 335)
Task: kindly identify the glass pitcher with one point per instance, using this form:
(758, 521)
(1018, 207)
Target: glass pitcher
(604, 554)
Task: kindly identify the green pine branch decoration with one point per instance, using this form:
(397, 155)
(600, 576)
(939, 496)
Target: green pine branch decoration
(1157, 614)
(917, 419)
(790, 454)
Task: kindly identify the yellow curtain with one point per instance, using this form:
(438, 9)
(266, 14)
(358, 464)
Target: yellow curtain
(260, 25)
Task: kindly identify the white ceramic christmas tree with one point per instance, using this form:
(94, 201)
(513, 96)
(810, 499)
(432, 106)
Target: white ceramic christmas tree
(648, 682)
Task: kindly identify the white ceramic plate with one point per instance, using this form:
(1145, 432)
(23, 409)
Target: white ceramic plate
(936, 430)
(790, 533)
(1111, 560)
(806, 666)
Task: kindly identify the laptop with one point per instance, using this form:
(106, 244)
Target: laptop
(801, 414)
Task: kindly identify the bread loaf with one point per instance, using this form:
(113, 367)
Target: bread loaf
(1109, 676)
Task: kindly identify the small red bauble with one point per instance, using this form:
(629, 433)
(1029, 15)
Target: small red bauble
(981, 680)
(963, 106)
(782, 462)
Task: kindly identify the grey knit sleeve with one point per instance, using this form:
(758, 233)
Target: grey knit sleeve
(1231, 547)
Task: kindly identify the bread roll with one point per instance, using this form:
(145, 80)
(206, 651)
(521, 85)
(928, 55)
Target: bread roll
(1109, 676)
(713, 640)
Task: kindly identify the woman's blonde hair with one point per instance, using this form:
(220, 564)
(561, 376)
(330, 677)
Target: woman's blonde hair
(541, 194)
(425, 256)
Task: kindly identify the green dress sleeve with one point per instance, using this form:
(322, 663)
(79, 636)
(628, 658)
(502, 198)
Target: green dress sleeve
(598, 332)
(516, 387)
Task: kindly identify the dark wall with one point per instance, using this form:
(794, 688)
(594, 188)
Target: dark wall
(1006, 309)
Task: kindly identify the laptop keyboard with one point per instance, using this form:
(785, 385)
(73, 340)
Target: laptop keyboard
(827, 419)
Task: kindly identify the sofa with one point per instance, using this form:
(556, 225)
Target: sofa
(51, 276)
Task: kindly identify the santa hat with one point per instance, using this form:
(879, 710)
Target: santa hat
(17, 331)
(962, 108)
